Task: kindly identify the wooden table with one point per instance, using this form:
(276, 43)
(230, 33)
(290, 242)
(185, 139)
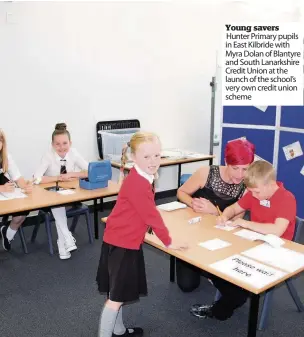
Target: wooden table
(177, 223)
(171, 162)
(41, 198)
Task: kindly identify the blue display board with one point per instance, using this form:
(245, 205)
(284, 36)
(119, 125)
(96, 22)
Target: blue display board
(262, 139)
(289, 170)
(249, 115)
(292, 116)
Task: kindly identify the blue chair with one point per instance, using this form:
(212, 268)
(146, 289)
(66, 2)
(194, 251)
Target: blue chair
(20, 231)
(269, 293)
(73, 212)
(184, 178)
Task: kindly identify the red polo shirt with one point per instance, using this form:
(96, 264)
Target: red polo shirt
(133, 213)
(282, 205)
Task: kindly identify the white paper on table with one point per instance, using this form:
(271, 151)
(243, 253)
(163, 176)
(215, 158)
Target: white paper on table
(225, 227)
(302, 171)
(17, 194)
(261, 107)
(194, 155)
(173, 154)
(66, 192)
(248, 271)
(2, 197)
(249, 235)
(214, 244)
(293, 150)
(271, 239)
(283, 258)
(171, 206)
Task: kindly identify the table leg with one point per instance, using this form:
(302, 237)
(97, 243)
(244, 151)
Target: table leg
(172, 268)
(179, 174)
(253, 315)
(96, 229)
(101, 205)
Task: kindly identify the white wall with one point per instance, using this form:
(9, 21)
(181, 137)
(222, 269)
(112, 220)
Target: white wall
(88, 61)
(85, 62)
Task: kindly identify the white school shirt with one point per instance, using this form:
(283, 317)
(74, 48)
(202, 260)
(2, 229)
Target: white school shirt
(13, 172)
(51, 163)
(149, 177)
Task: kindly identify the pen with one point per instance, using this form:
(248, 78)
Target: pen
(219, 211)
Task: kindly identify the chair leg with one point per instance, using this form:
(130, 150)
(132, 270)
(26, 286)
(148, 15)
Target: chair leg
(293, 293)
(89, 226)
(49, 232)
(22, 238)
(265, 309)
(74, 223)
(35, 230)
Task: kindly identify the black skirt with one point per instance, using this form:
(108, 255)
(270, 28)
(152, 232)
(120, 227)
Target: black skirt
(121, 273)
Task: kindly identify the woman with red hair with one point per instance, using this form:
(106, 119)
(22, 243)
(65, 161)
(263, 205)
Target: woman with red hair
(211, 188)
(219, 186)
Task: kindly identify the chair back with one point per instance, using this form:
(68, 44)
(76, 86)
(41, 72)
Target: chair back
(298, 227)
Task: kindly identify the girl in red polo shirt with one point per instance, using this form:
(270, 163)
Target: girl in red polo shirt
(121, 272)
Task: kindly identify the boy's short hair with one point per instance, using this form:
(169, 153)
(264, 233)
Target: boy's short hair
(260, 171)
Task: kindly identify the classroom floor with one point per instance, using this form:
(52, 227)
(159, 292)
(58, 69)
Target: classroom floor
(42, 296)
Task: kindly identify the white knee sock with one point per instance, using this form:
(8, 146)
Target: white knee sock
(10, 233)
(119, 328)
(107, 322)
(61, 222)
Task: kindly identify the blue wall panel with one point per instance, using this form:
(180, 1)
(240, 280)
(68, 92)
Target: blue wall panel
(292, 116)
(262, 139)
(289, 170)
(249, 115)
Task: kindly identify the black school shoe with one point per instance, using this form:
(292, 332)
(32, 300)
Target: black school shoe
(6, 244)
(202, 310)
(136, 332)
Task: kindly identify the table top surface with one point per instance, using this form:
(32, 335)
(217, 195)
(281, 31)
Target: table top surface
(172, 161)
(40, 197)
(181, 230)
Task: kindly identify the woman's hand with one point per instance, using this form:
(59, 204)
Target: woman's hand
(202, 205)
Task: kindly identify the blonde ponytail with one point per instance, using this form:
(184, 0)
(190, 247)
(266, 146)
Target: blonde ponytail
(124, 159)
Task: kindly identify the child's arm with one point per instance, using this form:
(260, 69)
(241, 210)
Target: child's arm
(285, 213)
(229, 213)
(143, 202)
(26, 185)
(277, 228)
(39, 174)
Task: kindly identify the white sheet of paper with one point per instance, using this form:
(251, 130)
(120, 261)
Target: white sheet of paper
(194, 155)
(214, 244)
(261, 107)
(17, 194)
(225, 228)
(249, 235)
(302, 171)
(232, 140)
(248, 271)
(283, 258)
(171, 206)
(66, 192)
(2, 197)
(293, 150)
